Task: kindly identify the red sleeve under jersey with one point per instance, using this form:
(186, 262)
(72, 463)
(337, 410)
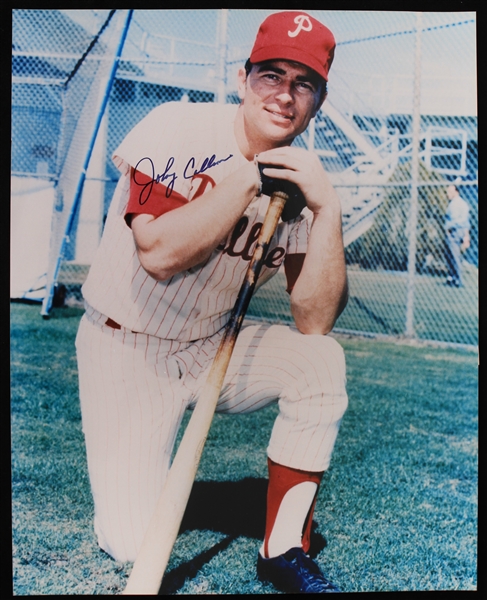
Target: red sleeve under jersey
(293, 264)
(150, 198)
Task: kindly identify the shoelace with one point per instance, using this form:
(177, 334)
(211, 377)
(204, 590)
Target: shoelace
(314, 580)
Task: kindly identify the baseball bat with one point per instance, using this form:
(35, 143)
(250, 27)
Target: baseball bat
(150, 564)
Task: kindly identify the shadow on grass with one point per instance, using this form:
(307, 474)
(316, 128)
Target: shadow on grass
(234, 508)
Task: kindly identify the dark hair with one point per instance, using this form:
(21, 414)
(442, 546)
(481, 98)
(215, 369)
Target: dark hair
(323, 82)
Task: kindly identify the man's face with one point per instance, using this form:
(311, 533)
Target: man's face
(451, 191)
(279, 99)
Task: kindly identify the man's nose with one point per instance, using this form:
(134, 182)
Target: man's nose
(286, 92)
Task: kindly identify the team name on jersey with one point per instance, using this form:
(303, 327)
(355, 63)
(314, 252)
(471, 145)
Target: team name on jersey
(273, 258)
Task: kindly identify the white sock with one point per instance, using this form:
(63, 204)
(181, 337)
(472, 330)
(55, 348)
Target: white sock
(288, 527)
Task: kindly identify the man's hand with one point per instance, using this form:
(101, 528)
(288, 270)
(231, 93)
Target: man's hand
(304, 169)
(295, 202)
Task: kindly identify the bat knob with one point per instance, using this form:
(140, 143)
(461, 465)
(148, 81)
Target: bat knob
(296, 201)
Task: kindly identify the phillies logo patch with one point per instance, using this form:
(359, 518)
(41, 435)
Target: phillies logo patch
(303, 23)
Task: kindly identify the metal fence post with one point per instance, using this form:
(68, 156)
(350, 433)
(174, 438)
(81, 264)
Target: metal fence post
(413, 210)
(222, 55)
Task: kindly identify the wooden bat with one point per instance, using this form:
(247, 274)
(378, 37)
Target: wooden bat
(150, 565)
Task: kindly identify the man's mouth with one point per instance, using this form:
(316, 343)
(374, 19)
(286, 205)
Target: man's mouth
(281, 115)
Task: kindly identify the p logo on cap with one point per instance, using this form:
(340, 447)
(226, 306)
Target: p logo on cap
(303, 24)
(296, 36)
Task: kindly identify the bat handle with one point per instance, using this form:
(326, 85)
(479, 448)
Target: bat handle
(149, 567)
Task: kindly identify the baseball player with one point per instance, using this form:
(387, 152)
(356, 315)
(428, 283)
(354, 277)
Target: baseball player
(180, 231)
(457, 225)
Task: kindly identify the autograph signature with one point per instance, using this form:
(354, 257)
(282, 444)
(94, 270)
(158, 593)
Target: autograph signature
(188, 173)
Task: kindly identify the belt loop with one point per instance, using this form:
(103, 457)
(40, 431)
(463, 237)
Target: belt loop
(111, 323)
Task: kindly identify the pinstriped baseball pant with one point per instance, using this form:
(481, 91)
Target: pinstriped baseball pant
(134, 390)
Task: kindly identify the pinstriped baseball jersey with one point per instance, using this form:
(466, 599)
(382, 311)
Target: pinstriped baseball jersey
(188, 148)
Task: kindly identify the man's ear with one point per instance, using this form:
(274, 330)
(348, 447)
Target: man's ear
(241, 83)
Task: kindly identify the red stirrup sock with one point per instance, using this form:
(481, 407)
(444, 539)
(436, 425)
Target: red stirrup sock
(289, 508)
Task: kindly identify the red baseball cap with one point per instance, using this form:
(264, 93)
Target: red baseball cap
(297, 36)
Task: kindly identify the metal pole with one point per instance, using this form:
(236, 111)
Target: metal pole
(48, 298)
(413, 211)
(222, 56)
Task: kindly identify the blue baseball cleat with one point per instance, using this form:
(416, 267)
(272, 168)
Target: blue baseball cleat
(294, 572)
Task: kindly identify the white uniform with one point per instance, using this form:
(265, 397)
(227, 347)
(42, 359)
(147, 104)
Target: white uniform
(136, 380)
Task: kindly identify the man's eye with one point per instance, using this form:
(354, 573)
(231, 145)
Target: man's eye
(271, 77)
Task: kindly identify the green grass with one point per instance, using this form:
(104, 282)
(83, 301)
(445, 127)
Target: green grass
(397, 510)
(377, 305)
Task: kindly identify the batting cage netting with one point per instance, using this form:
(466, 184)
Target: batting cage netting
(398, 127)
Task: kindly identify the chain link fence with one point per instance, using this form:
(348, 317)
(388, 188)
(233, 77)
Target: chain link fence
(398, 127)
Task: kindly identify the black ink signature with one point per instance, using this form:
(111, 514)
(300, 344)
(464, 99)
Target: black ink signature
(146, 187)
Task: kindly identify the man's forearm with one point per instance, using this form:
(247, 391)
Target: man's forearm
(321, 290)
(186, 236)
